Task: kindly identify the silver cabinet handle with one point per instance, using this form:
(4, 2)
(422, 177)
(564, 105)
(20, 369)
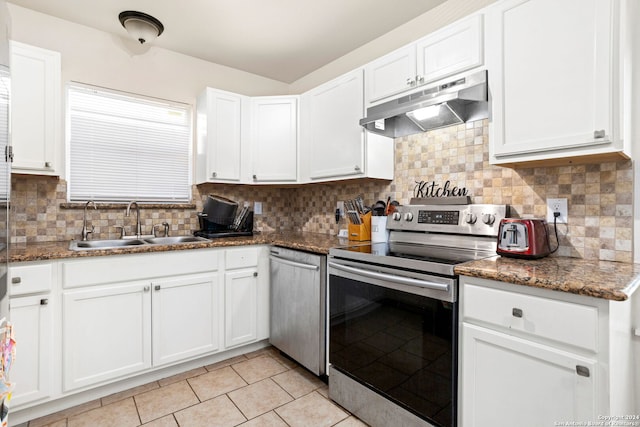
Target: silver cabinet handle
(391, 278)
(44, 301)
(156, 287)
(16, 280)
(583, 371)
(357, 168)
(516, 312)
(410, 82)
(294, 263)
(214, 174)
(255, 177)
(420, 79)
(146, 288)
(47, 165)
(597, 134)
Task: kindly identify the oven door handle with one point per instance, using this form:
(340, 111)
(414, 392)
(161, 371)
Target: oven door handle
(391, 278)
(294, 263)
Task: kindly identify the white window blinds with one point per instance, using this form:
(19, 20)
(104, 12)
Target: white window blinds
(123, 147)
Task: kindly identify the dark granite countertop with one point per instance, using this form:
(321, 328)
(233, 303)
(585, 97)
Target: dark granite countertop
(601, 279)
(310, 242)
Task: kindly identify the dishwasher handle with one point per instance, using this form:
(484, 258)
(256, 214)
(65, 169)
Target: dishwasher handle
(292, 263)
(392, 278)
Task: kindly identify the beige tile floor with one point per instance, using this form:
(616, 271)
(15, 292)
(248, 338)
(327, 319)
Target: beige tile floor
(261, 388)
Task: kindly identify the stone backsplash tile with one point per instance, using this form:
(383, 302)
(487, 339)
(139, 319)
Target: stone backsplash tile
(599, 196)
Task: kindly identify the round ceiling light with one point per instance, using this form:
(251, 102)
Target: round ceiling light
(142, 27)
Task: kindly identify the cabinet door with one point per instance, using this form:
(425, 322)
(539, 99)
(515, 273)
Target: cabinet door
(220, 125)
(552, 68)
(186, 315)
(32, 371)
(508, 381)
(391, 74)
(35, 109)
(274, 139)
(106, 333)
(335, 141)
(453, 49)
(241, 306)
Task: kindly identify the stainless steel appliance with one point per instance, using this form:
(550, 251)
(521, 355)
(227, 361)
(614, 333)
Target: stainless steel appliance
(298, 307)
(393, 314)
(443, 103)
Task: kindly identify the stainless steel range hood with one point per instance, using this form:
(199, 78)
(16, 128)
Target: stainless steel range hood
(443, 103)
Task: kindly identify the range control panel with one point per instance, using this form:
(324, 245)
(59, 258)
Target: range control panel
(482, 220)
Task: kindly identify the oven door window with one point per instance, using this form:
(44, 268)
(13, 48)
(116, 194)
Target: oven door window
(400, 345)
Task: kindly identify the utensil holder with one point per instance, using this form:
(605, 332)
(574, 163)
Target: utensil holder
(361, 232)
(379, 232)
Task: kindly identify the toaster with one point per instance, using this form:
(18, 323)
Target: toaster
(523, 238)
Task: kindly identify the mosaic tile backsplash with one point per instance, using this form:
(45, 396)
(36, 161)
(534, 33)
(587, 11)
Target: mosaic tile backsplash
(599, 197)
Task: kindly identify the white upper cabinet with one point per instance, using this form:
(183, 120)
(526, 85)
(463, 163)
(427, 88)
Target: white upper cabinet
(274, 138)
(554, 79)
(334, 145)
(35, 110)
(222, 125)
(452, 49)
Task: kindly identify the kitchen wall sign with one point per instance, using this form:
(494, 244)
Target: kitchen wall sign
(431, 189)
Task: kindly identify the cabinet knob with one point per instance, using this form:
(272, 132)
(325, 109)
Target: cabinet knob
(516, 312)
(597, 134)
(583, 371)
(255, 177)
(357, 168)
(44, 301)
(411, 82)
(146, 289)
(47, 165)
(420, 79)
(214, 174)
(255, 274)
(156, 287)
(16, 280)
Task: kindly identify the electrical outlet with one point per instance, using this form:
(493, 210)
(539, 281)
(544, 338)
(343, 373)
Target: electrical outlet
(557, 205)
(257, 208)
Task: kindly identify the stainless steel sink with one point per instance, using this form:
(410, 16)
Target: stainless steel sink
(172, 240)
(83, 245)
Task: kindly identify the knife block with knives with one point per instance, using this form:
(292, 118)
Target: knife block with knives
(361, 230)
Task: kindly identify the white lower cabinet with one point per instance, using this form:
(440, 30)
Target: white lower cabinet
(535, 357)
(32, 372)
(106, 333)
(185, 315)
(510, 381)
(241, 300)
(246, 290)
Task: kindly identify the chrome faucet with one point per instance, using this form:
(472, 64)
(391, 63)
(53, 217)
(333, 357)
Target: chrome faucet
(138, 226)
(85, 231)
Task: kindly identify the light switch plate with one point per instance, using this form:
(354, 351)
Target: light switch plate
(257, 208)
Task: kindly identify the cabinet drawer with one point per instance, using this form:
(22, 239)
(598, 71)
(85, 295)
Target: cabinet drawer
(30, 278)
(241, 258)
(559, 321)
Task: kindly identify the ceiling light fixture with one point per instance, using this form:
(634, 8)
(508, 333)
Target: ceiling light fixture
(142, 27)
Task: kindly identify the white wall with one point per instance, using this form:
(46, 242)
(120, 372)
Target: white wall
(99, 58)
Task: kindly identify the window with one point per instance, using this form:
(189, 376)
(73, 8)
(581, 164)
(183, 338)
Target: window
(124, 147)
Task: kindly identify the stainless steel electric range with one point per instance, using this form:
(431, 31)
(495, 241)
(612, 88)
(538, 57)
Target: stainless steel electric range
(393, 314)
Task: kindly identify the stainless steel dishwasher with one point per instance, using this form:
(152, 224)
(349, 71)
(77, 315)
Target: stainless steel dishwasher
(298, 307)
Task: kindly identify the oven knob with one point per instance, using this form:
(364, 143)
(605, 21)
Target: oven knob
(396, 216)
(471, 218)
(408, 216)
(488, 219)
